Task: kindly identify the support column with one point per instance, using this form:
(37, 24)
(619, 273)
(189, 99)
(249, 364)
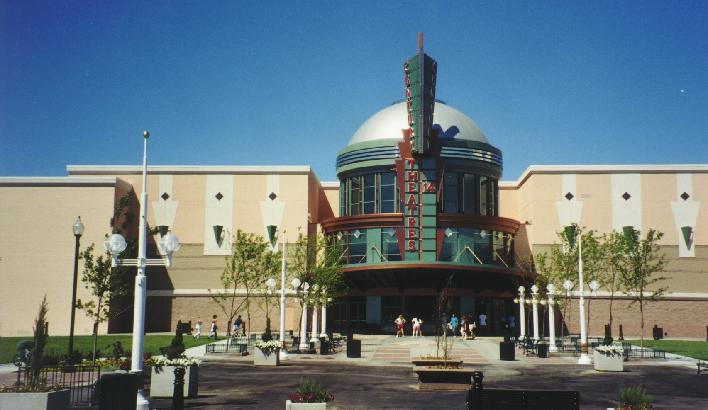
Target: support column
(323, 332)
(303, 329)
(551, 319)
(522, 312)
(315, 323)
(534, 306)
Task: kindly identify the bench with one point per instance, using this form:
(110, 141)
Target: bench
(480, 398)
(702, 366)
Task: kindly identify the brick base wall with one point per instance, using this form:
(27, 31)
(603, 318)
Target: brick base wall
(678, 318)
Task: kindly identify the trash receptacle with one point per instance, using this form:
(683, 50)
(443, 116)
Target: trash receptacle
(658, 332)
(542, 350)
(324, 345)
(117, 391)
(506, 351)
(353, 348)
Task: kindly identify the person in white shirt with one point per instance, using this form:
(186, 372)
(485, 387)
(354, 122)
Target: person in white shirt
(416, 326)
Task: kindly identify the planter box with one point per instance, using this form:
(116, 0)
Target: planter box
(266, 357)
(55, 400)
(605, 363)
(304, 406)
(443, 379)
(436, 362)
(162, 384)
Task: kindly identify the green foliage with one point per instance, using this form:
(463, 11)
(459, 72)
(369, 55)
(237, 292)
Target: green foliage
(639, 262)
(176, 348)
(318, 262)
(635, 398)
(250, 264)
(40, 341)
(310, 391)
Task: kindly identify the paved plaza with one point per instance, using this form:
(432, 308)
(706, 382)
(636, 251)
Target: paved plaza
(383, 379)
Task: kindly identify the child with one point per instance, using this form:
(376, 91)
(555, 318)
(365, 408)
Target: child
(213, 329)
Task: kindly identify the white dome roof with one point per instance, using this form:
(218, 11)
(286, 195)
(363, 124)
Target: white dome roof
(389, 122)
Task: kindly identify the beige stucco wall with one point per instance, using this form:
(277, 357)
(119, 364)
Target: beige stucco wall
(37, 250)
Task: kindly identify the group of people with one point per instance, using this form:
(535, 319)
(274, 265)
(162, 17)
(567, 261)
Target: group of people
(236, 330)
(466, 326)
(401, 324)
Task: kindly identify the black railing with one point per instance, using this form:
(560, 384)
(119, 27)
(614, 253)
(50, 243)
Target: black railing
(80, 379)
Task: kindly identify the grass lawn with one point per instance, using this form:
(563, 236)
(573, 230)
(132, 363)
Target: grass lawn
(59, 344)
(692, 348)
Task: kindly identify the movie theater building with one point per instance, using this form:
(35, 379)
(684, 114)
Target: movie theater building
(419, 210)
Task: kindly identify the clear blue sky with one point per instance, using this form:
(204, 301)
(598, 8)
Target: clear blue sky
(267, 83)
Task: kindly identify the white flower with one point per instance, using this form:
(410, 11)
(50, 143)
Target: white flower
(182, 361)
(269, 345)
(611, 350)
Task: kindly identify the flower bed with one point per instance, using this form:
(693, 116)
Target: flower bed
(267, 353)
(162, 378)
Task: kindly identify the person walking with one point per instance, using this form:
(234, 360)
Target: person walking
(213, 328)
(400, 325)
(483, 324)
(453, 324)
(198, 329)
(464, 328)
(238, 325)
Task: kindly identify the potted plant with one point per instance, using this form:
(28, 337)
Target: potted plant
(309, 396)
(608, 358)
(267, 353)
(162, 380)
(634, 398)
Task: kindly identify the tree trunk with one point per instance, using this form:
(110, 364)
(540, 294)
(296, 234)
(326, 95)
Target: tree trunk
(641, 314)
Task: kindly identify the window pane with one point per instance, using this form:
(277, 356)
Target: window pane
(355, 191)
(483, 189)
(389, 245)
(450, 193)
(387, 206)
(357, 247)
(469, 190)
(388, 178)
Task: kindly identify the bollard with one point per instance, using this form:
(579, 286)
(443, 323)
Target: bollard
(621, 334)
(178, 392)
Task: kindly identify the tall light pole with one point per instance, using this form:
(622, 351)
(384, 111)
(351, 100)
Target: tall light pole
(571, 232)
(283, 352)
(116, 244)
(315, 333)
(78, 229)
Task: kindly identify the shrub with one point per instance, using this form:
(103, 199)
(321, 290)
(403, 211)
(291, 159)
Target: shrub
(635, 398)
(310, 391)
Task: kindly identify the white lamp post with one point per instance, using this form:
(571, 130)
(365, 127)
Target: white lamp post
(115, 244)
(550, 291)
(571, 233)
(315, 315)
(534, 306)
(522, 312)
(303, 325)
(283, 352)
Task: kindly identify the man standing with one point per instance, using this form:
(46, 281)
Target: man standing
(453, 324)
(483, 324)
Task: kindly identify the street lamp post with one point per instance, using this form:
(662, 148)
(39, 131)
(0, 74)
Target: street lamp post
(571, 233)
(534, 306)
(551, 318)
(283, 351)
(78, 229)
(323, 326)
(116, 244)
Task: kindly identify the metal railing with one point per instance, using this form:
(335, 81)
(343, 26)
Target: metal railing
(80, 379)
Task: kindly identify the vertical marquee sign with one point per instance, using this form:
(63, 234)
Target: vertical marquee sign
(420, 73)
(419, 173)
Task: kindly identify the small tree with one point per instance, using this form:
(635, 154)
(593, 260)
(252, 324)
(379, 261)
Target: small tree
(613, 245)
(243, 270)
(105, 284)
(40, 341)
(641, 261)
